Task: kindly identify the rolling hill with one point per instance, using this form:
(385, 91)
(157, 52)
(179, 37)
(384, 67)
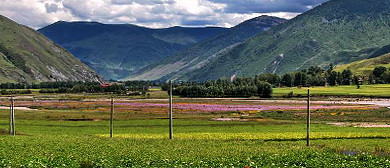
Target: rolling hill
(27, 56)
(116, 50)
(366, 66)
(338, 31)
(183, 65)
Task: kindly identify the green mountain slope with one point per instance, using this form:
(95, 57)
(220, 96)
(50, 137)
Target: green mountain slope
(365, 67)
(27, 56)
(338, 31)
(115, 51)
(183, 64)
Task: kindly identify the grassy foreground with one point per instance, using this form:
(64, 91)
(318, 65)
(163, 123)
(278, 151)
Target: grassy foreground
(47, 137)
(140, 143)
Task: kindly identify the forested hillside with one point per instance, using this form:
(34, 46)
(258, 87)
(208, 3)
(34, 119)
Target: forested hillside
(186, 63)
(338, 31)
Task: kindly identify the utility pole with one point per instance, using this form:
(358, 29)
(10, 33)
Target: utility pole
(112, 118)
(170, 111)
(308, 118)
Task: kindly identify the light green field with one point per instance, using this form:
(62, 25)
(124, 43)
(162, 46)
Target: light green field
(380, 90)
(196, 143)
(348, 91)
(270, 139)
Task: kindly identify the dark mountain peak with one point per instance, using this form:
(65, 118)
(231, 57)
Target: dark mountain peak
(61, 22)
(266, 17)
(261, 22)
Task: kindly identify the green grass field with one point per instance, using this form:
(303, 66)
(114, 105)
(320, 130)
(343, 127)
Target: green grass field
(348, 91)
(269, 139)
(142, 143)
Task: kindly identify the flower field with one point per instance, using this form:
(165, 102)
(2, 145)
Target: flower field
(180, 106)
(218, 108)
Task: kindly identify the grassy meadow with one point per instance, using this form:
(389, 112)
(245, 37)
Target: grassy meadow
(141, 143)
(382, 90)
(71, 130)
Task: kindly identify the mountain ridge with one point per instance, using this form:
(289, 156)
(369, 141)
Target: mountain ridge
(333, 32)
(28, 56)
(197, 55)
(107, 48)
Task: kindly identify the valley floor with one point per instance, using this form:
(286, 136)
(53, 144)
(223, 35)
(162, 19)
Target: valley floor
(207, 133)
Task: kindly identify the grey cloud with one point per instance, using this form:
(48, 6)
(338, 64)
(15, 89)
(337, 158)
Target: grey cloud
(142, 2)
(158, 9)
(51, 8)
(77, 8)
(267, 6)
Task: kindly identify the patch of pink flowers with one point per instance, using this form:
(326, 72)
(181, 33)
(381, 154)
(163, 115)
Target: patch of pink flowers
(217, 107)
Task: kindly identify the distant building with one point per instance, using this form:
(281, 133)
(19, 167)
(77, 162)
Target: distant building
(104, 85)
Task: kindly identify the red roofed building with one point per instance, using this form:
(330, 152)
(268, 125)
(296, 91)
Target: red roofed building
(105, 85)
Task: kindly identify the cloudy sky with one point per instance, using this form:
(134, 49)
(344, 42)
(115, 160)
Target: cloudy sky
(151, 13)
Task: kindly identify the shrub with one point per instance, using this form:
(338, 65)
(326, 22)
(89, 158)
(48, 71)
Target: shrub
(264, 89)
(12, 92)
(290, 95)
(47, 91)
(378, 71)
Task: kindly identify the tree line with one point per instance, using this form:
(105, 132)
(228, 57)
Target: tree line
(260, 85)
(133, 87)
(317, 76)
(240, 87)
(61, 87)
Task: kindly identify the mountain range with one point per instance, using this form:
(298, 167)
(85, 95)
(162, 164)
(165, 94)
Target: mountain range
(333, 32)
(337, 31)
(27, 56)
(117, 50)
(186, 63)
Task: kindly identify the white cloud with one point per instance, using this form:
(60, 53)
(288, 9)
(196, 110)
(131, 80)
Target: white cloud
(150, 13)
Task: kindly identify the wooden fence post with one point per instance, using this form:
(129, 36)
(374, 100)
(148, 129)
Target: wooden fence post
(308, 118)
(12, 118)
(112, 118)
(170, 111)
